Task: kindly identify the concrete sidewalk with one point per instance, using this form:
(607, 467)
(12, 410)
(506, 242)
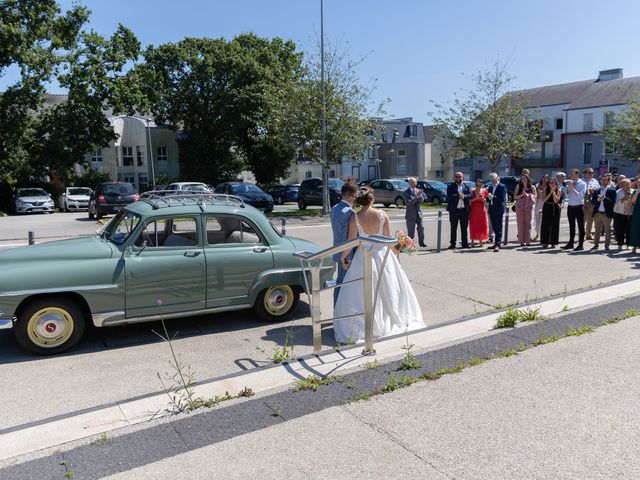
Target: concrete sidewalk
(565, 410)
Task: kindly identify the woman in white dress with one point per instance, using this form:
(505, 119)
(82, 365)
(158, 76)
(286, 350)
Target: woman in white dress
(396, 308)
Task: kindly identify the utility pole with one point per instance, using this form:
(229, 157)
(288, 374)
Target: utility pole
(323, 149)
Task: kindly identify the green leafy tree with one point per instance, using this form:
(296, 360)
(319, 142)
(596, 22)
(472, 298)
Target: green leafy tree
(352, 116)
(622, 130)
(489, 120)
(227, 98)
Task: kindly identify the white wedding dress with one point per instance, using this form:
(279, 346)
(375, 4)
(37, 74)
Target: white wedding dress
(396, 309)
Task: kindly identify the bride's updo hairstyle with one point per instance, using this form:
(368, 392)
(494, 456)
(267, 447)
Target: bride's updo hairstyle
(364, 197)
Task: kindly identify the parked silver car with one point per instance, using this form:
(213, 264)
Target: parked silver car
(31, 200)
(74, 198)
(388, 191)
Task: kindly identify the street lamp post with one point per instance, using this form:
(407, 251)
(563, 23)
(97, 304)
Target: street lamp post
(149, 154)
(323, 147)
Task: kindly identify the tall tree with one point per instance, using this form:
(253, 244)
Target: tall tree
(489, 120)
(352, 115)
(622, 131)
(228, 100)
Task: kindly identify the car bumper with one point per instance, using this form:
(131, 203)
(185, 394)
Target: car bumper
(77, 206)
(34, 209)
(6, 323)
(102, 209)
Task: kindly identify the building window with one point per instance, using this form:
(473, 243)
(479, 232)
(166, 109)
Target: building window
(588, 147)
(413, 130)
(142, 179)
(96, 155)
(127, 156)
(162, 154)
(608, 119)
(587, 122)
(559, 123)
(130, 179)
(384, 137)
(402, 162)
(140, 156)
(307, 174)
(439, 173)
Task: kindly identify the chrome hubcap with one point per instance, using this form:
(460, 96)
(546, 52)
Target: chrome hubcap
(50, 327)
(278, 300)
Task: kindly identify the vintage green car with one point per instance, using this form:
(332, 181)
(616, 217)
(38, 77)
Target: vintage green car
(158, 258)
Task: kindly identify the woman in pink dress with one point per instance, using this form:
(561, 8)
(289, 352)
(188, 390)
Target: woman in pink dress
(478, 225)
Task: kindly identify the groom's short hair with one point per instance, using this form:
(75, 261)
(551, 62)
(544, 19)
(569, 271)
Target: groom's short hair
(348, 189)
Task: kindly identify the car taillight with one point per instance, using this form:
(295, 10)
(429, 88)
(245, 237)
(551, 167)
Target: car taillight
(136, 197)
(100, 198)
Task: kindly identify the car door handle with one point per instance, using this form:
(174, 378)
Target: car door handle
(192, 253)
(260, 249)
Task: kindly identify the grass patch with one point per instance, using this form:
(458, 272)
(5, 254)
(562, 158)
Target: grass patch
(449, 371)
(313, 382)
(392, 383)
(373, 365)
(506, 353)
(296, 213)
(246, 392)
(565, 308)
(545, 340)
(632, 312)
(512, 316)
(576, 332)
(476, 361)
(101, 440)
(360, 397)
(429, 376)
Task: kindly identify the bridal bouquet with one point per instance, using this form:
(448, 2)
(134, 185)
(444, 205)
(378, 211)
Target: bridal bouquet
(405, 243)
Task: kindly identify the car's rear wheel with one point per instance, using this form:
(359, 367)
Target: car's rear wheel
(435, 200)
(399, 202)
(98, 215)
(47, 326)
(301, 204)
(280, 201)
(386, 205)
(277, 303)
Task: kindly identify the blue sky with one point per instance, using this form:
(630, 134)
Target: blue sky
(416, 50)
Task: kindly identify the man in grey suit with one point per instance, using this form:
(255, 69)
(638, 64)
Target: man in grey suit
(413, 198)
(340, 217)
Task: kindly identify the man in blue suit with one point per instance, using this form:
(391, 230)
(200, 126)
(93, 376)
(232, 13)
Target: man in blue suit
(458, 196)
(340, 216)
(497, 200)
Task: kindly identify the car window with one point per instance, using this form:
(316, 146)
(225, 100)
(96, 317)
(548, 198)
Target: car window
(246, 187)
(375, 185)
(120, 228)
(169, 232)
(231, 230)
(32, 192)
(79, 191)
(400, 184)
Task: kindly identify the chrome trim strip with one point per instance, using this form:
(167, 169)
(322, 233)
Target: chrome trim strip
(6, 323)
(108, 320)
(58, 290)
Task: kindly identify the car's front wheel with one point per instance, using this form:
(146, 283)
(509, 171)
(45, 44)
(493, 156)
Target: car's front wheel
(47, 326)
(301, 204)
(435, 200)
(277, 303)
(399, 202)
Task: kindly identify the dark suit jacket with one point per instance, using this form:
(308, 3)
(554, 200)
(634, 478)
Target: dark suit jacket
(452, 197)
(499, 202)
(609, 201)
(413, 205)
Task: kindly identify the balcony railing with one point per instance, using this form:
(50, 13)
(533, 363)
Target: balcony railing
(537, 162)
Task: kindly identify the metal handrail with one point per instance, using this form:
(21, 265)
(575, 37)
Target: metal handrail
(314, 262)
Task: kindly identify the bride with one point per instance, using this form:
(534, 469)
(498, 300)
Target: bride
(396, 309)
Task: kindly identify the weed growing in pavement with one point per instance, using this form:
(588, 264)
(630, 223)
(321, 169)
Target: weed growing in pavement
(410, 361)
(576, 332)
(276, 412)
(392, 383)
(179, 384)
(522, 346)
(545, 340)
(531, 315)
(312, 382)
(475, 361)
(68, 474)
(360, 397)
(406, 380)
(632, 312)
(101, 440)
(512, 316)
(246, 392)
(506, 353)
(373, 365)
(565, 308)
(430, 376)
(281, 354)
(448, 371)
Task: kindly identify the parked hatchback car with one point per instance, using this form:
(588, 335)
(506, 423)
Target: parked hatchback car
(31, 200)
(388, 191)
(284, 193)
(154, 259)
(190, 187)
(310, 192)
(510, 182)
(74, 198)
(111, 197)
(434, 191)
(250, 193)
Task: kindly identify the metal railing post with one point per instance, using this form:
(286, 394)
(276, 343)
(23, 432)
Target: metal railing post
(316, 311)
(505, 237)
(32, 238)
(368, 300)
(284, 226)
(439, 242)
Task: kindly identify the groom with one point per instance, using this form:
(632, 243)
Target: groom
(340, 216)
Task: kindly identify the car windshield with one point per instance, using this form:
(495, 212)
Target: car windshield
(400, 184)
(437, 184)
(119, 189)
(120, 227)
(32, 192)
(246, 187)
(335, 183)
(80, 191)
(195, 188)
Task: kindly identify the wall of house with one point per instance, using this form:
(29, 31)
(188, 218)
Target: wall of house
(575, 118)
(388, 154)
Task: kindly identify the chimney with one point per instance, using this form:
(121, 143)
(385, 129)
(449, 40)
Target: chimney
(613, 74)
